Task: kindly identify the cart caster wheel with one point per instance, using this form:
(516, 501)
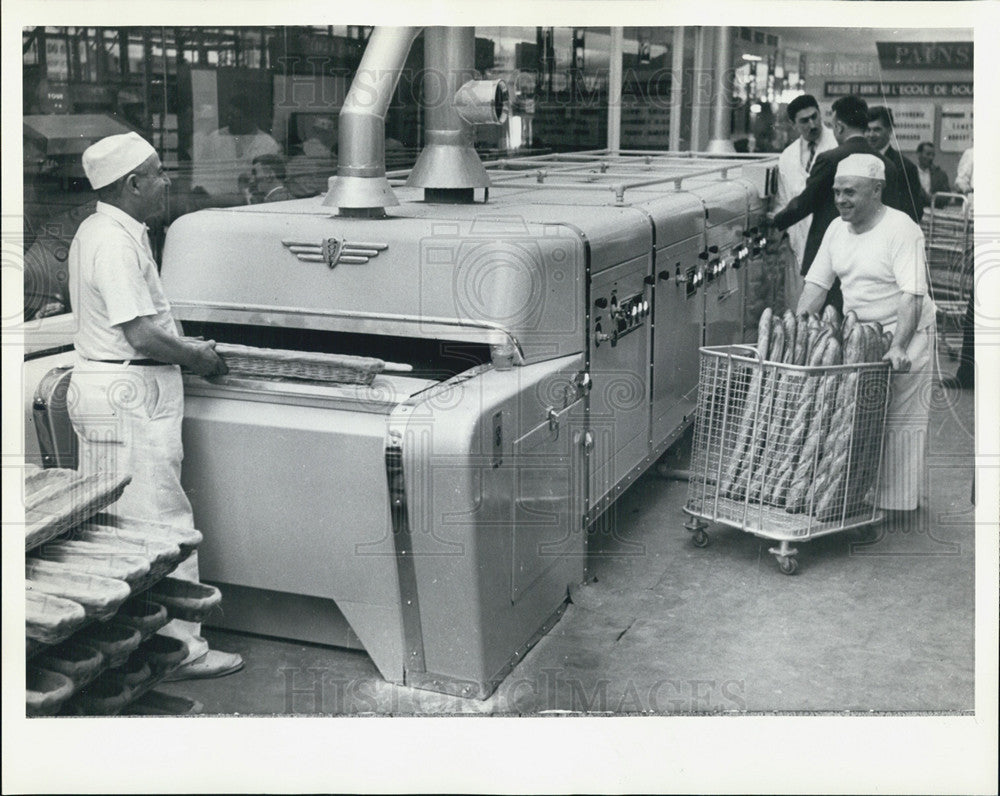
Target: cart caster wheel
(788, 565)
(868, 534)
(700, 539)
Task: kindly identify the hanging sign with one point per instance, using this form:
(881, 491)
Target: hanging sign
(912, 123)
(939, 90)
(956, 128)
(911, 55)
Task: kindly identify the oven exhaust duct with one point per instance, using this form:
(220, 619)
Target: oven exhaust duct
(720, 142)
(449, 169)
(360, 188)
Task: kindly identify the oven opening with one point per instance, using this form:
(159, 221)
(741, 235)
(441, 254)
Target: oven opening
(431, 359)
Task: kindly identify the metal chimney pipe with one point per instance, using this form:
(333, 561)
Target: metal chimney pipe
(721, 107)
(360, 187)
(615, 76)
(448, 168)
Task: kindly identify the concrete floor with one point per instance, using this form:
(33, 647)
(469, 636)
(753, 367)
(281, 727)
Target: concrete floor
(665, 627)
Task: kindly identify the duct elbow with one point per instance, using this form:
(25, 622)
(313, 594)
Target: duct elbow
(360, 186)
(482, 102)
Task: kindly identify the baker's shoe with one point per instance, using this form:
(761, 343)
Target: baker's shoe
(212, 664)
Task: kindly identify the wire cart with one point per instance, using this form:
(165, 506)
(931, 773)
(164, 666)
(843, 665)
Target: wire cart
(948, 243)
(785, 452)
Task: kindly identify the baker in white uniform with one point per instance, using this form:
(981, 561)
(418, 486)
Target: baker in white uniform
(878, 254)
(793, 169)
(126, 394)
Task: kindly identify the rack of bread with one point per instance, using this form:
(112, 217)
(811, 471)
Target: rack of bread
(98, 592)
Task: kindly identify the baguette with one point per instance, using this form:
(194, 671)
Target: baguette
(744, 431)
(829, 503)
(873, 343)
(764, 333)
(818, 423)
(854, 346)
(850, 319)
(748, 469)
(801, 339)
(802, 402)
(788, 390)
(757, 458)
(858, 350)
(788, 324)
(777, 341)
(831, 316)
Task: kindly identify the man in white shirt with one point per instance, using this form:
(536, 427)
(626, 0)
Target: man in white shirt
(793, 169)
(128, 396)
(877, 252)
(963, 180)
(223, 156)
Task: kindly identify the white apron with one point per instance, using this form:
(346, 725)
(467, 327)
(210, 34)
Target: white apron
(128, 420)
(904, 456)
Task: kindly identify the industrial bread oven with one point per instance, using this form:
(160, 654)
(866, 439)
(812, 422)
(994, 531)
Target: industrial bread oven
(552, 309)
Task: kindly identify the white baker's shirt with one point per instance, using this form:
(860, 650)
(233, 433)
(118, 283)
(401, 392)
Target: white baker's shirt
(221, 157)
(792, 176)
(112, 280)
(963, 179)
(875, 267)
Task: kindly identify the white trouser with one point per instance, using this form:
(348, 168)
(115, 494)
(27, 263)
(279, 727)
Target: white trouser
(904, 457)
(128, 420)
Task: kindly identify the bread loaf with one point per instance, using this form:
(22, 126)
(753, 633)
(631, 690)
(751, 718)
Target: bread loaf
(764, 333)
(831, 316)
(796, 436)
(817, 424)
(801, 339)
(738, 455)
(788, 323)
(850, 319)
(829, 502)
(777, 350)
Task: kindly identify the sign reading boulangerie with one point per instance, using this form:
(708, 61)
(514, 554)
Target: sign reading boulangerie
(925, 55)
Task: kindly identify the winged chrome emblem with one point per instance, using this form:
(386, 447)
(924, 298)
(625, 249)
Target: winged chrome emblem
(334, 251)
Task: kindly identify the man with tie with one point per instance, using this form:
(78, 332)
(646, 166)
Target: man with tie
(850, 123)
(932, 177)
(880, 137)
(793, 168)
(128, 396)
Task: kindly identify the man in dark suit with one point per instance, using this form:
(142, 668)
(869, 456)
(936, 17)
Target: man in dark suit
(932, 177)
(880, 137)
(850, 123)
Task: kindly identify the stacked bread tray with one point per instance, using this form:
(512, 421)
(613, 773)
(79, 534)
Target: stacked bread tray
(57, 499)
(97, 594)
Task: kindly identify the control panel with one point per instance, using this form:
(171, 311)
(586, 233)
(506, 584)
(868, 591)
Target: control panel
(623, 316)
(692, 278)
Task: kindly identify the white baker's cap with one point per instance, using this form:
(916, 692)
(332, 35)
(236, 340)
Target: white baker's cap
(114, 157)
(861, 165)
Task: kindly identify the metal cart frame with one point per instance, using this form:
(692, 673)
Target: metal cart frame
(948, 232)
(726, 400)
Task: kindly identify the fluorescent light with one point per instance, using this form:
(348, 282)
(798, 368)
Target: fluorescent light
(749, 57)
